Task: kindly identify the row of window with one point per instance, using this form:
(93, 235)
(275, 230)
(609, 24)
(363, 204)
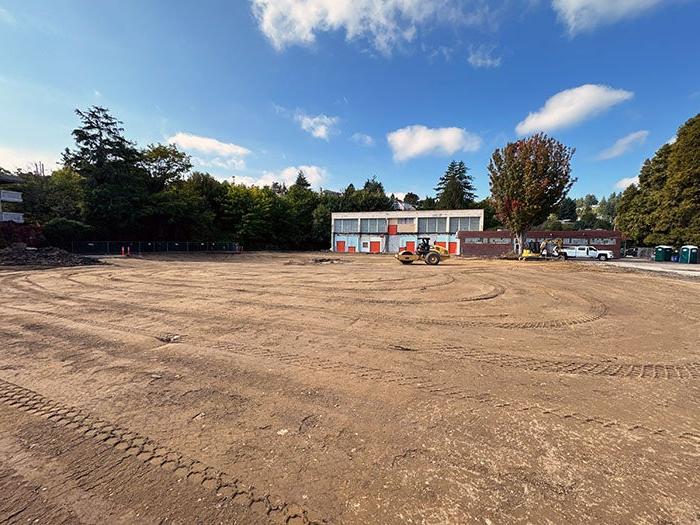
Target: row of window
(425, 225)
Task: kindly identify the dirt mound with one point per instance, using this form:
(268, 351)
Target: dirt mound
(23, 256)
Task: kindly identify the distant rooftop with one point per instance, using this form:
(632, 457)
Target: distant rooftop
(8, 178)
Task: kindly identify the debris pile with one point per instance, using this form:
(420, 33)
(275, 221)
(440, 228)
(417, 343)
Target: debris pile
(20, 255)
(315, 260)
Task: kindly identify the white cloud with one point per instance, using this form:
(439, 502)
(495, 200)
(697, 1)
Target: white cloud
(385, 23)
(626, 182)
(672, 140)
(572, 106)
(209, 153)
(482, 56)
(314, 174)
(13, 159)
(623, 145)
(401, 195)
(6, 16)
(225, 163)
(414, 141)
(363, 139)
(585, 15)
(207, 145)
(321, 126)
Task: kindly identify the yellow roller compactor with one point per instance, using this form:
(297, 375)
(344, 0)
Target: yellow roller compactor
(431, 254)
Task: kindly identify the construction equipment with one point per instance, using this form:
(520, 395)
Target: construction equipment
(431, 254)
(547, 249)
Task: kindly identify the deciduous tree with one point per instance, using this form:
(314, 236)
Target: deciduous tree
(529, 179)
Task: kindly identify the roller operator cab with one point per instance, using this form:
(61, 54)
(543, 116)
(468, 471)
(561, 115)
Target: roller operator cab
(431, 254)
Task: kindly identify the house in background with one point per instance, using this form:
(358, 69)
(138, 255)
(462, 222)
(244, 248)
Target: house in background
(393, 231)
(8, 196)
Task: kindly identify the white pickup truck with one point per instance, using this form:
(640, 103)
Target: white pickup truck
(585, 252)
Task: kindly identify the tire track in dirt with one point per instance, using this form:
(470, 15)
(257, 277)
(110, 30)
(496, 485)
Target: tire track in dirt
(493, 292)
(147, 451)
(446, 280)
(597, 310)
(454, 392)
(681, 371)
(420, 382)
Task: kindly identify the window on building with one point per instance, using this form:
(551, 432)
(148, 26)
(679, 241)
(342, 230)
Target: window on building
(464, 224)
(406, 220)
(373, 225)
(432, 225)
(346, 226)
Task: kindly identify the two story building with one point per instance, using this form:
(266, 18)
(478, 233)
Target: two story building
(392, 231)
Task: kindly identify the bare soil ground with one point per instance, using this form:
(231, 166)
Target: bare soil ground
(272, 388)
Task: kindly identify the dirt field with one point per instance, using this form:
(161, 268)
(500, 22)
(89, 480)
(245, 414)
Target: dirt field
(266, 388)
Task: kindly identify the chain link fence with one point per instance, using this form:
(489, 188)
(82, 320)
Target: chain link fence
(138, 247)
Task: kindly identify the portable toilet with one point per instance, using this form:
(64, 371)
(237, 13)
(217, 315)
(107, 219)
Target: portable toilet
(689, 254)
(663, 253)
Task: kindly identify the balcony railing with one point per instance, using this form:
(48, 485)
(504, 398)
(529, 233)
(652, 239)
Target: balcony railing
(7, 216)
(10, 196)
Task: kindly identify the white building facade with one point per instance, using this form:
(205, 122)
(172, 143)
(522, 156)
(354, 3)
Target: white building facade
(9, 196)
(393, 231)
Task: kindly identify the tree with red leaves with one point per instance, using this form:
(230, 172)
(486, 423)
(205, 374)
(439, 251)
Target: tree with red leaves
(529, 179)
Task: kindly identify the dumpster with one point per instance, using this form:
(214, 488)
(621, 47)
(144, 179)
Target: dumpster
(663, 253)
(689, 254)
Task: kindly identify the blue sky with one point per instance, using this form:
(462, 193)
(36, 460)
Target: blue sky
(348, 89)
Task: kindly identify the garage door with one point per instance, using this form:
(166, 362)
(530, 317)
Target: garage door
(340, 246)
(375, 246)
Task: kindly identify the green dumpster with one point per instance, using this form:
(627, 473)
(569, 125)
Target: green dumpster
(689, 254)
(663, 253)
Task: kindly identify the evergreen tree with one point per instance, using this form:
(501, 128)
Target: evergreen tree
(116, 185)
(455, 189)
(567, 210)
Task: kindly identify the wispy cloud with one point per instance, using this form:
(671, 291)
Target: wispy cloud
(6, 17)
(482, 57)
(208, 152)
(585, 15)
(626, 182)
(572, 106)
(320, 126)
(623, 145)
(314, 174)
(363, 139)
(415, 141)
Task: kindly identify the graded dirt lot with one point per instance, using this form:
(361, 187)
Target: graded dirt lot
(269, 388)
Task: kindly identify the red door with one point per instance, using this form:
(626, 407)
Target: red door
(340, 246)
(351, 249)
(374, 246)
(411, 246)
(441, 244)
(453, 247)
(393, 229)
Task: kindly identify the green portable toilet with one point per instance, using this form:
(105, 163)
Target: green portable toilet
(689, 254)
(663, 253)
